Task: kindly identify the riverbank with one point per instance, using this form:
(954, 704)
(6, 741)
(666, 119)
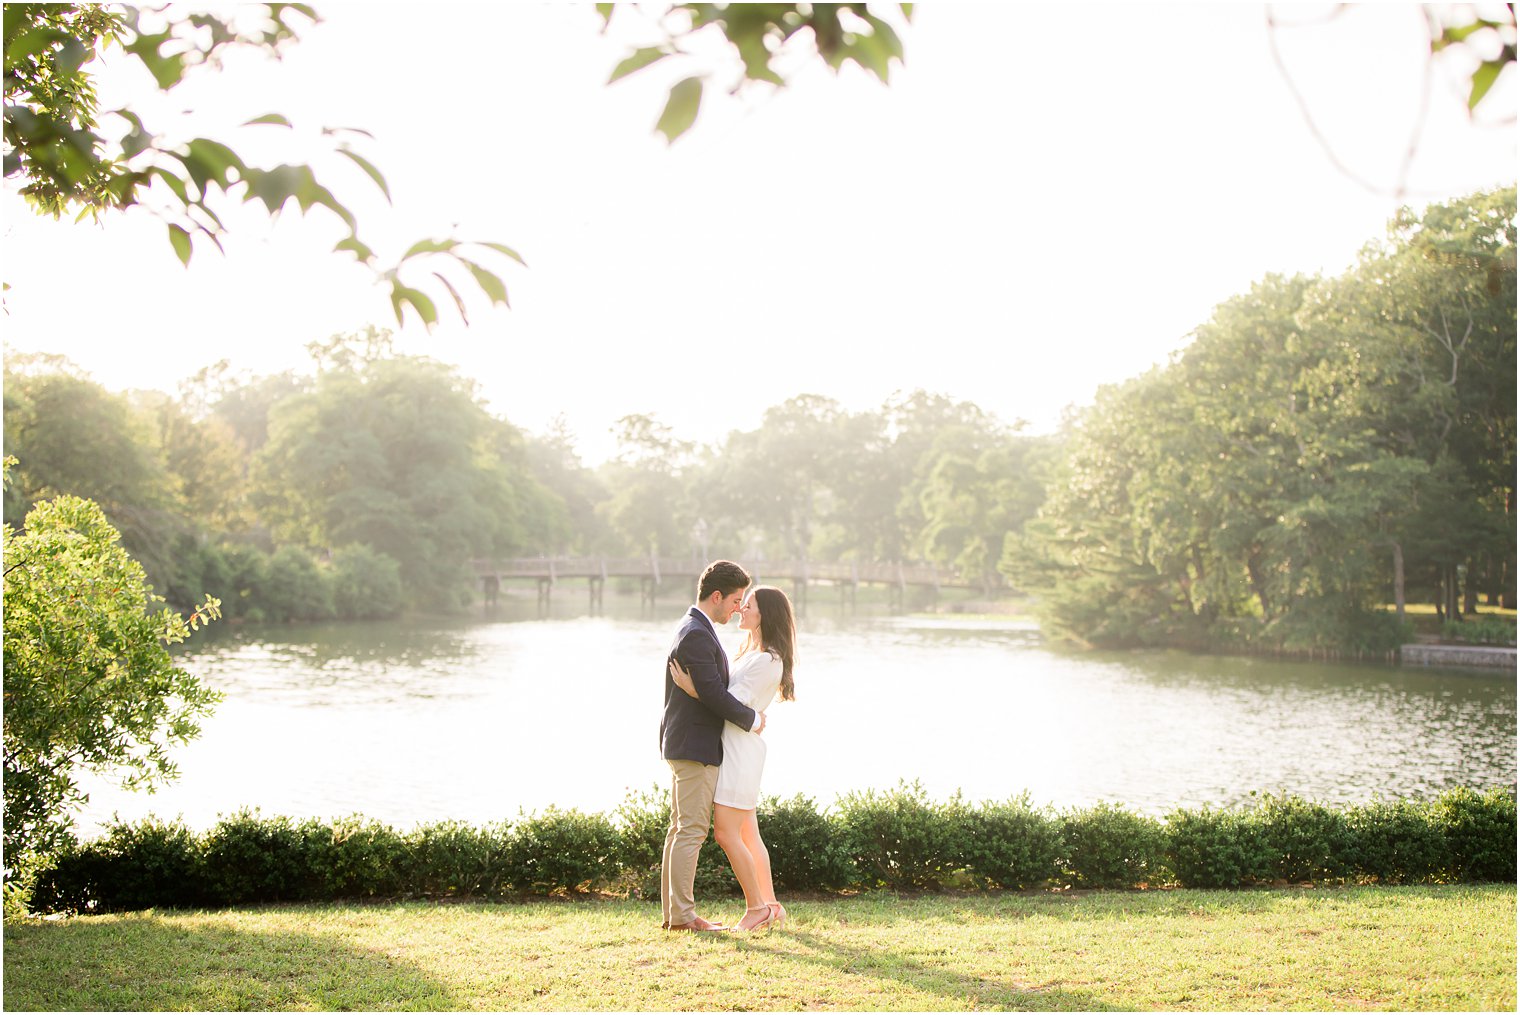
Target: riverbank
(1417, 948)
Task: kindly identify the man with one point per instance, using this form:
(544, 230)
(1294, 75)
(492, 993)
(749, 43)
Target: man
(691, 737)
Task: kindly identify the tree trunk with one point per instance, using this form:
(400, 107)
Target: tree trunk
(1398, 579)
(1470, 590)
(1449, 593)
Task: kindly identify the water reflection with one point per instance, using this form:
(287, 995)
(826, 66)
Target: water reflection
(478, 718)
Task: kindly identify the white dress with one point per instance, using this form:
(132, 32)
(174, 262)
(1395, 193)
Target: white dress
(754, 679)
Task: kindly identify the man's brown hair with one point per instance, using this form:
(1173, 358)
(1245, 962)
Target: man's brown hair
(722, 576)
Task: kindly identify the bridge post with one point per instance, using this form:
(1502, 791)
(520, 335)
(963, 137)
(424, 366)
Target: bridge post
(598, 588)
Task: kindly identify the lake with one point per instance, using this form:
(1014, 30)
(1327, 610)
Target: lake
(481, 718)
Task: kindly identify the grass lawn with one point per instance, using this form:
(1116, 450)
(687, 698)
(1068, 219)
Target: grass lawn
(1426, 948)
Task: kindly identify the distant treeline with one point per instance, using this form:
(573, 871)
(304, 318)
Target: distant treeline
(1321, 448)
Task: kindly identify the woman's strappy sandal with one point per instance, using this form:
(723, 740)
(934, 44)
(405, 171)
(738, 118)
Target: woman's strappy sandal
(762, 925)
(778, 914)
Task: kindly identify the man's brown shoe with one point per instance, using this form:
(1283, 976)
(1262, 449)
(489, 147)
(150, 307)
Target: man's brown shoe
(697, 925)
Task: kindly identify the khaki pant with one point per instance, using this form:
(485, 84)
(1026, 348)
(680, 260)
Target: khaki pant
(691, 804)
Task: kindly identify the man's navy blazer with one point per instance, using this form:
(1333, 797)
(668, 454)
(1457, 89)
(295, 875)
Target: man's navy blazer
(692, 728)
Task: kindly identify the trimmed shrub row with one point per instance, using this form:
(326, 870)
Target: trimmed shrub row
(898, 839)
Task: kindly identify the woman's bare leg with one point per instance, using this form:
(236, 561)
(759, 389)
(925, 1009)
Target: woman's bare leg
(760, 855)
(728, 829)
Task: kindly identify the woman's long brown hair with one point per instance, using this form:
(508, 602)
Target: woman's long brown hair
(777, 633)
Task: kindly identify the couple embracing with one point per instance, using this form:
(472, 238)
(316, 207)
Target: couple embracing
(710, 737)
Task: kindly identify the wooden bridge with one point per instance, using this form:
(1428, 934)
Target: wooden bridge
(654, 573)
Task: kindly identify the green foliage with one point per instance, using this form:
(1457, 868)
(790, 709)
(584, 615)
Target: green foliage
(1009, 844)
(351, 857)
(805, 850)
(562, 851)
(1216, 848)
(89, 682)
(248, 858)
(59, 147)
(1106, 846)
(899, 838)
(839, 33)
(294, 588)
(1483, 631)
(134, 866)
(1306, 841)
(1322, 447)
(395, 454)
(1396, 842)
(366, 583)
(449, 858)
(642, 820)
(1480, 833)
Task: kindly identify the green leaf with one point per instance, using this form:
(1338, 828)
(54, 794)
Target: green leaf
(429, 247)
(502, 248)
(274, 118)
(1482, 80)
(490, 283)
(638, 60)
(420, 302)
(30, 43)
(368, 167)
(174, 183)
(458, 303)
(357, 247)
(605, 10)
(681, 109)
(181, 241)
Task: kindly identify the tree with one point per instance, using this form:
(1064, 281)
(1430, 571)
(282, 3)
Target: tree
(648, 507)
(89, 682)
(70, 435)
(71, 156)
(396, 454)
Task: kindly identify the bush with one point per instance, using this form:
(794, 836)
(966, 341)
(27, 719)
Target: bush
(366, 583)
(1010, 844)
(350, 857)
(1105, 846)
(714, 874)
(247, 858)
(899, 839)
(1479, 829)
(1483, 631)
(562, 851)
(1395, 843)
(806, 850)
(1306, 841)
(642, 820)
(454, 858)
(294, 588)
(153, 864)
(1216, 849)
(247, 575)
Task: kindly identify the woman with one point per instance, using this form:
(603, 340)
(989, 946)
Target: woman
(761, 671)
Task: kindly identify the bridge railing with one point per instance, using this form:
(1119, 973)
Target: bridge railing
(664, 569)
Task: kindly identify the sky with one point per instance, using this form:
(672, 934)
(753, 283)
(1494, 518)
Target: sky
(1045, 199)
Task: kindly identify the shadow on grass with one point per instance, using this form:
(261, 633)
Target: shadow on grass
(149, 962)
(987, 993)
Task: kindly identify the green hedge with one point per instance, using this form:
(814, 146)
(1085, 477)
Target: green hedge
(897, 839)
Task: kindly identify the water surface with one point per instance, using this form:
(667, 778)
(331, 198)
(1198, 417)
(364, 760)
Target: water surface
(481, 718)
